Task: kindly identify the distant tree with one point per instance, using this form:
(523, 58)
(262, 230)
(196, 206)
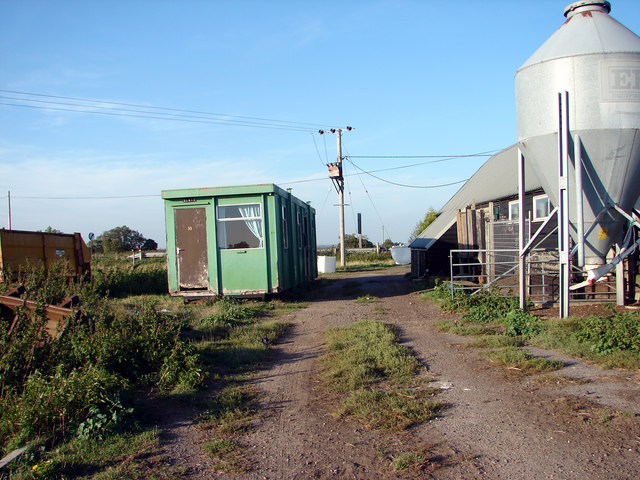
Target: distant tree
(388, 243)
(149, 244)
(120, 239)
(420, 227)
(95, 245)
(351, 241)
(50, 229)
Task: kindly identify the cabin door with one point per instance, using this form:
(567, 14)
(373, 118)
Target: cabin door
(191, 248)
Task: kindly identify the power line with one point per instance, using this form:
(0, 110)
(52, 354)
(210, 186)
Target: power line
(369, 172)
(316, 145)
(353, 213)
(371, 200)
(402, 184)
(325, 202)
(439, 157)
(109, 197)
(446, 157)
(153, 117)
(147, 107)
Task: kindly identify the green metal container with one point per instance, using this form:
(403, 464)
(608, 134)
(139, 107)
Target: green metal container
(247, 240)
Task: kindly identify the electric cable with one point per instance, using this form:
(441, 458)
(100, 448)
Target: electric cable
(402, 184)
(152, 117)
(348, 157)
(372, 204)
(318, 151)
(351, 207)
(106, 197)
(326, 154)
(158, 108)
(480, 154)
(325, 202)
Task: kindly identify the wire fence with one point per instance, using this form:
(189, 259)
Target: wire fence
(475, 270)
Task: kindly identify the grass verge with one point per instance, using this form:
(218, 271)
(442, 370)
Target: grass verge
(610, 341)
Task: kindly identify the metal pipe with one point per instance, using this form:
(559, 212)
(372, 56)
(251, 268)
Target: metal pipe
(563, 202)
(522, 280)
(577, 155)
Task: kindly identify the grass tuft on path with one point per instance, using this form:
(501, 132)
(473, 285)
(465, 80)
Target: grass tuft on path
(376, 376)
(517, 359)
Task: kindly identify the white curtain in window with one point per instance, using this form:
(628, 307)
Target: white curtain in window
(222, 235)
(254, 224)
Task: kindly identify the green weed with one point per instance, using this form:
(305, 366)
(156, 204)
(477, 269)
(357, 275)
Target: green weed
(231, 410)
(497, 341)
(229, 453)
(518, 359)
(463, 329)
(617, 332)
(522, 324)
(363, 357)
(393, 410)
(365, 299)
(406, 460)
(366, 352)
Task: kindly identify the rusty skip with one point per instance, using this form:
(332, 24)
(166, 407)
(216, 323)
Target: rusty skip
(56, 314)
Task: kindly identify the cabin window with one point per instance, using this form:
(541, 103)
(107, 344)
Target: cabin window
(240, 226)
(285, 227)
(514, 210)
(541, 207)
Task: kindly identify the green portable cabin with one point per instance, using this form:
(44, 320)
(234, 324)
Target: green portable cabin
(247, 240)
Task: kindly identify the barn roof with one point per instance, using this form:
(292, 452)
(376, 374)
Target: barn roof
(496, 179)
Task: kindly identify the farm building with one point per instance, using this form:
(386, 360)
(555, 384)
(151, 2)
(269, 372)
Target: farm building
(482, 217)
(238, 241)
(578, 149)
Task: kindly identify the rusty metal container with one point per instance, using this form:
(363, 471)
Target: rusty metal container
(41, 248)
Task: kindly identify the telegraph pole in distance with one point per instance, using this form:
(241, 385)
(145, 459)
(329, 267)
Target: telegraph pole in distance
(9, 201)
(335, 174)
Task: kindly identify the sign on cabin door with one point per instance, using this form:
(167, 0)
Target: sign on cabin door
(191, 248)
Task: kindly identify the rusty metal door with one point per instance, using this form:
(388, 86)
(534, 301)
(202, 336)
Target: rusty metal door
(191, 248)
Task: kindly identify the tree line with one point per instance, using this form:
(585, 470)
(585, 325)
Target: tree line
(122, 239)
(118, 239)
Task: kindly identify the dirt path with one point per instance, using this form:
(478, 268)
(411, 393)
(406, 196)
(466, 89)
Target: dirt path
(498, 424)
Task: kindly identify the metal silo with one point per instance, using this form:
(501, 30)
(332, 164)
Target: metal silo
(597, 61)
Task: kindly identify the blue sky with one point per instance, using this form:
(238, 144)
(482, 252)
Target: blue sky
(414, 78)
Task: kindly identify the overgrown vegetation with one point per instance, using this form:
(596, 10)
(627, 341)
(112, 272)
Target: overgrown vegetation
(68, 398)
(611, 340)
(376, 377)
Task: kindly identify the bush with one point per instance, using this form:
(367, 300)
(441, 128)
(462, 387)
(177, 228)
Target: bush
(521, 323)
(120, 281)
(617, 332)
(80, 383)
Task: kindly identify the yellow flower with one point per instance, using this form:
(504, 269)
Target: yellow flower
(34, 467)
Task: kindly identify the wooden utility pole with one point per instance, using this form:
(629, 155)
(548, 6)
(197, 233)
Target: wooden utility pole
(343, 259)
(335, 174)
(9, 200)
